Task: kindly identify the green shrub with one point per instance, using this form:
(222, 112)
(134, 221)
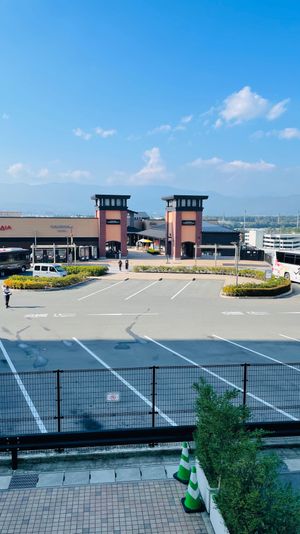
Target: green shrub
(195, 269)
(251, 498)
(87, 270)
(220, 429)
(272, 287)
(26, 282)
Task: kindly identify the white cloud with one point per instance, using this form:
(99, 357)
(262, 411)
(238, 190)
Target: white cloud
(105, 133)
(245, 105)
(43, 172)
(76, 175)
(201, 163)
(153, 171)
(289, 133)
(286, 133)
(168, 128)
(186, 119)
(161, 129)
(5, 116)
(277, 110)
(232, 166)
(81, 133)
(16, 170)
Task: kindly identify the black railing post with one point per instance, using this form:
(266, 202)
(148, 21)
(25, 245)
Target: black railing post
(58, 400)
(153, 394)
(14, 459)
(245, 380)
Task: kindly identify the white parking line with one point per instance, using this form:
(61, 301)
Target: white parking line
(180, 290)
(289, 337)
(233, 313)
(27, 398)
(99, 291)
(127, 384)
(257, 353)
(140, 291)
(120, 314)
(231, 384)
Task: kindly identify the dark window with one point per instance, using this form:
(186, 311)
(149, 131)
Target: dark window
(289, 258)
(280, 256)
(297, 259)
(52, 270)
(44, 268)
(37, 268)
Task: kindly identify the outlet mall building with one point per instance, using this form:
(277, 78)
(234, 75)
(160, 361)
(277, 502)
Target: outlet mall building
(112, 229)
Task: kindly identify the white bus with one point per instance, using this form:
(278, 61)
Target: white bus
(287, 263)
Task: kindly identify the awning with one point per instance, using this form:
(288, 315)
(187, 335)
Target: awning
(144, 241)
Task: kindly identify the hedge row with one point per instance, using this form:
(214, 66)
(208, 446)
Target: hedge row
(26, 282)
(271, 288)
(76, 274)
(87, 270)
(195, 269)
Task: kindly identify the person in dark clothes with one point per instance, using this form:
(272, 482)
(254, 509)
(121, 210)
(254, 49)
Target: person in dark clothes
(126, 265)
(7, 294)
(120, 265)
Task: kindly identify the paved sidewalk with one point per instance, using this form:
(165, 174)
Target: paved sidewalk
(141, 507)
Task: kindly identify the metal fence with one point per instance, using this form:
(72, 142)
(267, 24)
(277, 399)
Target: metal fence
(128, 398)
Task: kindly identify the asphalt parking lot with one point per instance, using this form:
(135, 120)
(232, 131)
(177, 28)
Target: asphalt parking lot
(111, 328)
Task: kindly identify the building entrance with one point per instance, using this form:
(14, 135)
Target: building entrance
(188, 249)
(112, 249)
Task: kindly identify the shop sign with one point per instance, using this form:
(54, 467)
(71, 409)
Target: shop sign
(61, 227)
(5, 227)
(112, 221)
(188, 222)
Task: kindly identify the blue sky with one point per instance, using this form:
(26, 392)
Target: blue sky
(202, 95)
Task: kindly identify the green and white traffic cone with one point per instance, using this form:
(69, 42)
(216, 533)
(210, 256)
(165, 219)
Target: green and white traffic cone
(184, 470)
(192, 501)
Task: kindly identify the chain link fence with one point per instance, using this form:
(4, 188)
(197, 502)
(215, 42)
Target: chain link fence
(103, 399)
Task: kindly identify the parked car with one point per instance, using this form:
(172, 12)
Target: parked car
(48, 270)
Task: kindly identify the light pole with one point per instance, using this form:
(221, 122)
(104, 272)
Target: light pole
(237, 259)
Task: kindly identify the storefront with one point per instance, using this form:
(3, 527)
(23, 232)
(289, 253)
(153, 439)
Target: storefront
(104, 235)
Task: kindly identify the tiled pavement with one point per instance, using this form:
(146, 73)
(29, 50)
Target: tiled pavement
(125, 508)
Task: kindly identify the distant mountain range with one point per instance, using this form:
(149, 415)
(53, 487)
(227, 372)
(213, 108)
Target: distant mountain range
(75, 199)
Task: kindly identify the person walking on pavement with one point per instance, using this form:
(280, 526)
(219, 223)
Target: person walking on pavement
(7, 294)
(126, 264)
(120, 265)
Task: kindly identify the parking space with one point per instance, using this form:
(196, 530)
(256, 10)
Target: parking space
(110, 325)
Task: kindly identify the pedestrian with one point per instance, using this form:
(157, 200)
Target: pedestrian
(7, 294)
(120, 265)
(126, 265)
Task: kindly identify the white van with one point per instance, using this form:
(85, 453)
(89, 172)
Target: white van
(48, 270)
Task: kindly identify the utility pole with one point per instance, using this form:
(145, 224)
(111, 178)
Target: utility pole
(237, 259)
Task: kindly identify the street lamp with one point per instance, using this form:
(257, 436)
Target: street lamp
(236, 261)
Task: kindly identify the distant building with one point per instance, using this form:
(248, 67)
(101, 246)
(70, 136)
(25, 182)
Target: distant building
(286, 241)
(262, 239)
(254, 238)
